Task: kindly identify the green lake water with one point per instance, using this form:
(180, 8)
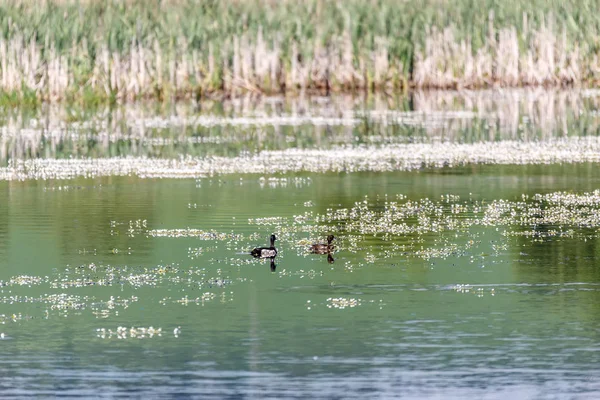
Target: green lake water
(88, 266)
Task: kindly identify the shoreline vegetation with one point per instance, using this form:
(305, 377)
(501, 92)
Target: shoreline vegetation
(98, 51)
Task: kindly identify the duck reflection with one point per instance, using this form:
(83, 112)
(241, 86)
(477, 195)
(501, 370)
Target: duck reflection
(324, 248)
(267, 252)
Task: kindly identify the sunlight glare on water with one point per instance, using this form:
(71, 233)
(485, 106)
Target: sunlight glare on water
(444, 282)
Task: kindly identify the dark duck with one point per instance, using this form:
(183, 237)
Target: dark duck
(323, 248)
(265, 252)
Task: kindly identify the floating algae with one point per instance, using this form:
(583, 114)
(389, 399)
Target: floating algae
(376, 228)
(399, 157)
(24, 280)
(343, 302)
(129, 333)
(196, 233)
(200, 300)
(273, 136)
(446, 224)
(68, 304)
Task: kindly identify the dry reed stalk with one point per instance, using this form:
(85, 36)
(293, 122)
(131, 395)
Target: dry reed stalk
(445, 63)
(249, 63)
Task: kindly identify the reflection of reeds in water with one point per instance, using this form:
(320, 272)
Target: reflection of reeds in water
(254, 123)
(514, 114)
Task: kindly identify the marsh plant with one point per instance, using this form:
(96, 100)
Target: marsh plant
(105, 50)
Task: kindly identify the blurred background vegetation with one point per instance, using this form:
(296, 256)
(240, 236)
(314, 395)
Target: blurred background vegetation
(118, 50)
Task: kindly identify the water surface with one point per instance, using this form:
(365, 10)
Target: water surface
(123, 286)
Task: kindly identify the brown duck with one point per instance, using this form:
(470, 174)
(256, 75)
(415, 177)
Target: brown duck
(323, 248)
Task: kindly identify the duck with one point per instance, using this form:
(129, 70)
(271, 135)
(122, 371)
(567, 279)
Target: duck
(265, 252)
(322, 248)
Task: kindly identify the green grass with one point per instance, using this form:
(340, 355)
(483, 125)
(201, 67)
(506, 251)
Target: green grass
(199, 35)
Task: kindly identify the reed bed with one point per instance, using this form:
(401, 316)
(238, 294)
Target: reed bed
(121, 51)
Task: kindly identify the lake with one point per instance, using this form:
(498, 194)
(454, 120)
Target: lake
(465, 259)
